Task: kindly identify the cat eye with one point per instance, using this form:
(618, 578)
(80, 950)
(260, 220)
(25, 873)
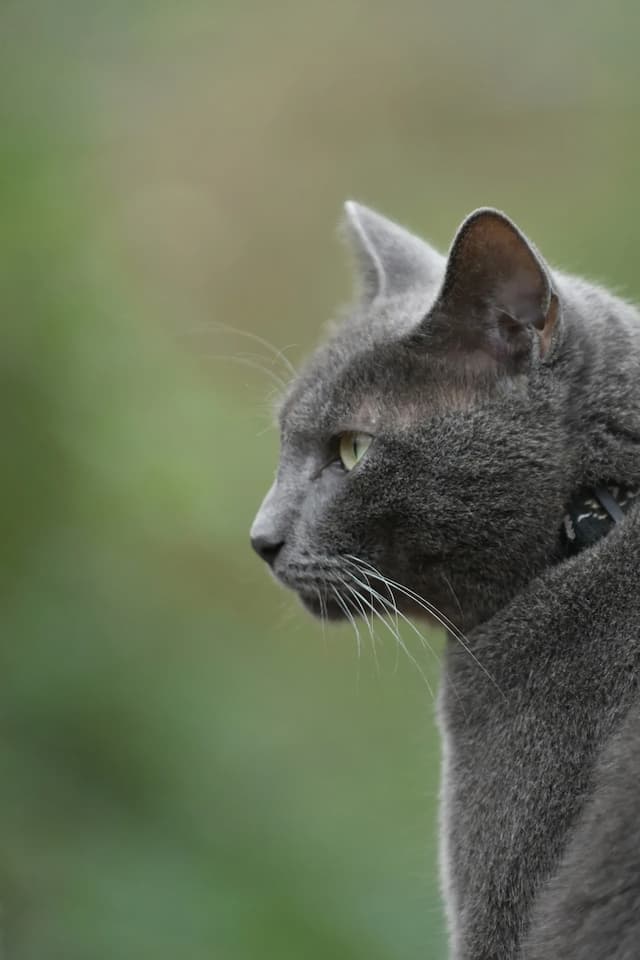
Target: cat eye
(352, 448)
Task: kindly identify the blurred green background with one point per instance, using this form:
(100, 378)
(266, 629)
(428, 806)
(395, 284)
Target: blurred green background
(188, 766)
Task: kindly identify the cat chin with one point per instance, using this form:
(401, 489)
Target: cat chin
(327, 610)
(331, 611)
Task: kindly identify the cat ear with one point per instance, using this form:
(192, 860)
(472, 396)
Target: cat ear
(497, 293)
(389, 259)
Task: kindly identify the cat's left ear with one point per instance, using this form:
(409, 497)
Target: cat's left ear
(497, 295)
(390, 261)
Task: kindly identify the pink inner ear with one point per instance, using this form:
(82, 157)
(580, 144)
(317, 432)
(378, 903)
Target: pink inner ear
(492, 260)
(550, 323)
(523, 296)
(496, 293)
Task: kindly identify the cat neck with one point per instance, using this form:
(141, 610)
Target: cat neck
(599, 361)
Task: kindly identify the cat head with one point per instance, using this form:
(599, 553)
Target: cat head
(423, 451)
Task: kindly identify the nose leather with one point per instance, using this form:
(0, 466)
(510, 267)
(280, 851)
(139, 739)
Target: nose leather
(266, 548)
(267, 531)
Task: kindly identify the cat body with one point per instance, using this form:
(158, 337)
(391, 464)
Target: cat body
(428, 453)
(527, 763)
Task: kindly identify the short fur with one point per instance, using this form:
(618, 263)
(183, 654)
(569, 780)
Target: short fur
(494, 389)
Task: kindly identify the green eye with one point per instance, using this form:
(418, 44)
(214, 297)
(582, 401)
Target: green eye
(353, 447)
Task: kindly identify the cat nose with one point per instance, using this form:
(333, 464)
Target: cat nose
(267, 547)
(267, 531)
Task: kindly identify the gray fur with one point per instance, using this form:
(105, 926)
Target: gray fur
(390, 260)
(494, 388)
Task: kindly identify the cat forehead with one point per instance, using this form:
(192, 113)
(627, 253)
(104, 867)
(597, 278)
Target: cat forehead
(331, 388)
(342, 367)
(357, 341)
(372, 384)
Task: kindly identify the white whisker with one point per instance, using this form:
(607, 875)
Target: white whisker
(389, 626)
(351, 619)
(362, 611)
(452, 592)
(444, 621)
(323, 614)
(278, 354)
(249, 361)
(393, 609)
(425, 643)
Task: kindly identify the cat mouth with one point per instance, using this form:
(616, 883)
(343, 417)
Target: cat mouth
(333, 591)
(328, 591)
(336, 601)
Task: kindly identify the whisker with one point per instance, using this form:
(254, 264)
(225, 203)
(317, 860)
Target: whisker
(392, 599)
(249, 361)
(433, 610)
(398, 613)
(323, 614)
(452, 592)
(350, 617)
(388, 612)
(361, 608)
(279, 354)
(427, 645)
(269, 426)
(369, 623)
(373, 612)
(395, 633)
(426, 604)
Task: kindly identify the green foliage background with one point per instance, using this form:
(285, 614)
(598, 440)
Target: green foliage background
(188, 767)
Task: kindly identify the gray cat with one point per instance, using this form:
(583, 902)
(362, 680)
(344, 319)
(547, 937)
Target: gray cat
(467, 444)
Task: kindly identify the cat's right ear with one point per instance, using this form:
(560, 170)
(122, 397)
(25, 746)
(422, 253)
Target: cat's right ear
(389, 260)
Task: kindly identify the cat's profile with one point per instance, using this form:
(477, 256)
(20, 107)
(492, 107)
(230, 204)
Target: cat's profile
(467, 442)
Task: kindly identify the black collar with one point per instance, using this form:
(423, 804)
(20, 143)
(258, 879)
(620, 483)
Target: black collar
(592, 513)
